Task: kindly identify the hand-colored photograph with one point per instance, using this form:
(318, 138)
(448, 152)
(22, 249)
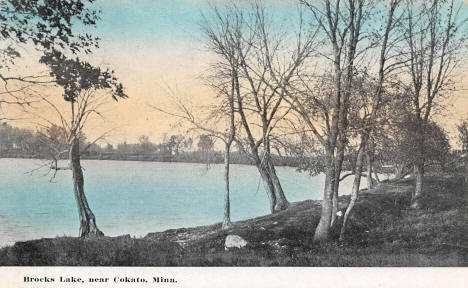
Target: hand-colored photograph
(197, 133)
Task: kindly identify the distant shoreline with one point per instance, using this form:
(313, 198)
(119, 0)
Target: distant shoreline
(137, 158)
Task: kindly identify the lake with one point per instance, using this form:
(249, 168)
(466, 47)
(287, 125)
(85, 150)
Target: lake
(136, 198)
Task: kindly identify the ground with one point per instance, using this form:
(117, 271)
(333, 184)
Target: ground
(383, 231)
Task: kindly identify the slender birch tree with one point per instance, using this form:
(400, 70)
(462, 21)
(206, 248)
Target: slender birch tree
(340, 24)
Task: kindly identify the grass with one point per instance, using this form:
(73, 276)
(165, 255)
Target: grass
(382, 231)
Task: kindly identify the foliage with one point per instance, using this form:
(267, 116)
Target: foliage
(463, 135)
(46, 23)
(76, 76)
(205, 143)
(397, 143)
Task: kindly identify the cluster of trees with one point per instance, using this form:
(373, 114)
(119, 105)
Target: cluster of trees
(343, 86)
(26, 143)
(46, 143)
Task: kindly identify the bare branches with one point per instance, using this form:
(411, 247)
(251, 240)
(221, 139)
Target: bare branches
(434, 38)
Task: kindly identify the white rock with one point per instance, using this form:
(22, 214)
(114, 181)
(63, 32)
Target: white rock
(234, 241)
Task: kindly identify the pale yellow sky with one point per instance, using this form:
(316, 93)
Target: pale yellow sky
(151, 59)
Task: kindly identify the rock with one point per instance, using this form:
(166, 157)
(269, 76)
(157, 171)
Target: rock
(234, 241)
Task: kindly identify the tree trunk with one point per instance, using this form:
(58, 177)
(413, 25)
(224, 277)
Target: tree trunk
(281, 202)
(370, 181)
(401, 171)
(88, 226)
(355, 189)
(227, 203)
(270, 187)
(377, 178)
(466, 168)
(418, 185)
(323, 227)
(336, 186)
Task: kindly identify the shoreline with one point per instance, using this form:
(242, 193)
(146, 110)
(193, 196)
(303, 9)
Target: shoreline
(382, 231)
(144, 160)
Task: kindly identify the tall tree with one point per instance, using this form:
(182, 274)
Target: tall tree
(434, 38)
(85, 88)
(259, 70)
(213, 125)
(341, 25)
(367, 115)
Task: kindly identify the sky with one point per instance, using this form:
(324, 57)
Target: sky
(153, 45)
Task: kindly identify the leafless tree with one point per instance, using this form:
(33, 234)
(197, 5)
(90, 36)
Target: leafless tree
(265, 63)
(210, 121)
(434, 40)
(371, 118)
(341, 25)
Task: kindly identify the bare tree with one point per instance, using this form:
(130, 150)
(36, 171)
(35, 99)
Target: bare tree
(387, 63)
(211, 126)
(435, 37)
(263, 64)
(340, 23)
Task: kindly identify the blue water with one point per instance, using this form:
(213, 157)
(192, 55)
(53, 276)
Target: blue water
(135, 198)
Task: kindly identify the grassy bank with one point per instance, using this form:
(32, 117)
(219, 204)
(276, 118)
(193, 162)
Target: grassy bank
(383, 231)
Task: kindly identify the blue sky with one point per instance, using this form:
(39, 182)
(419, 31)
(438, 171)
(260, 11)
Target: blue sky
(146, 20)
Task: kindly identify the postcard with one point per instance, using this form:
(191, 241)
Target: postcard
(193, 143)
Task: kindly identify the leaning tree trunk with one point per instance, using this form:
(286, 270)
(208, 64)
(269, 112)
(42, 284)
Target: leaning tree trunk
(323, 227)
(269, 183)
(88, 226)
(355, 189)
(418, 185)
(227, 203)
(281, 202)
